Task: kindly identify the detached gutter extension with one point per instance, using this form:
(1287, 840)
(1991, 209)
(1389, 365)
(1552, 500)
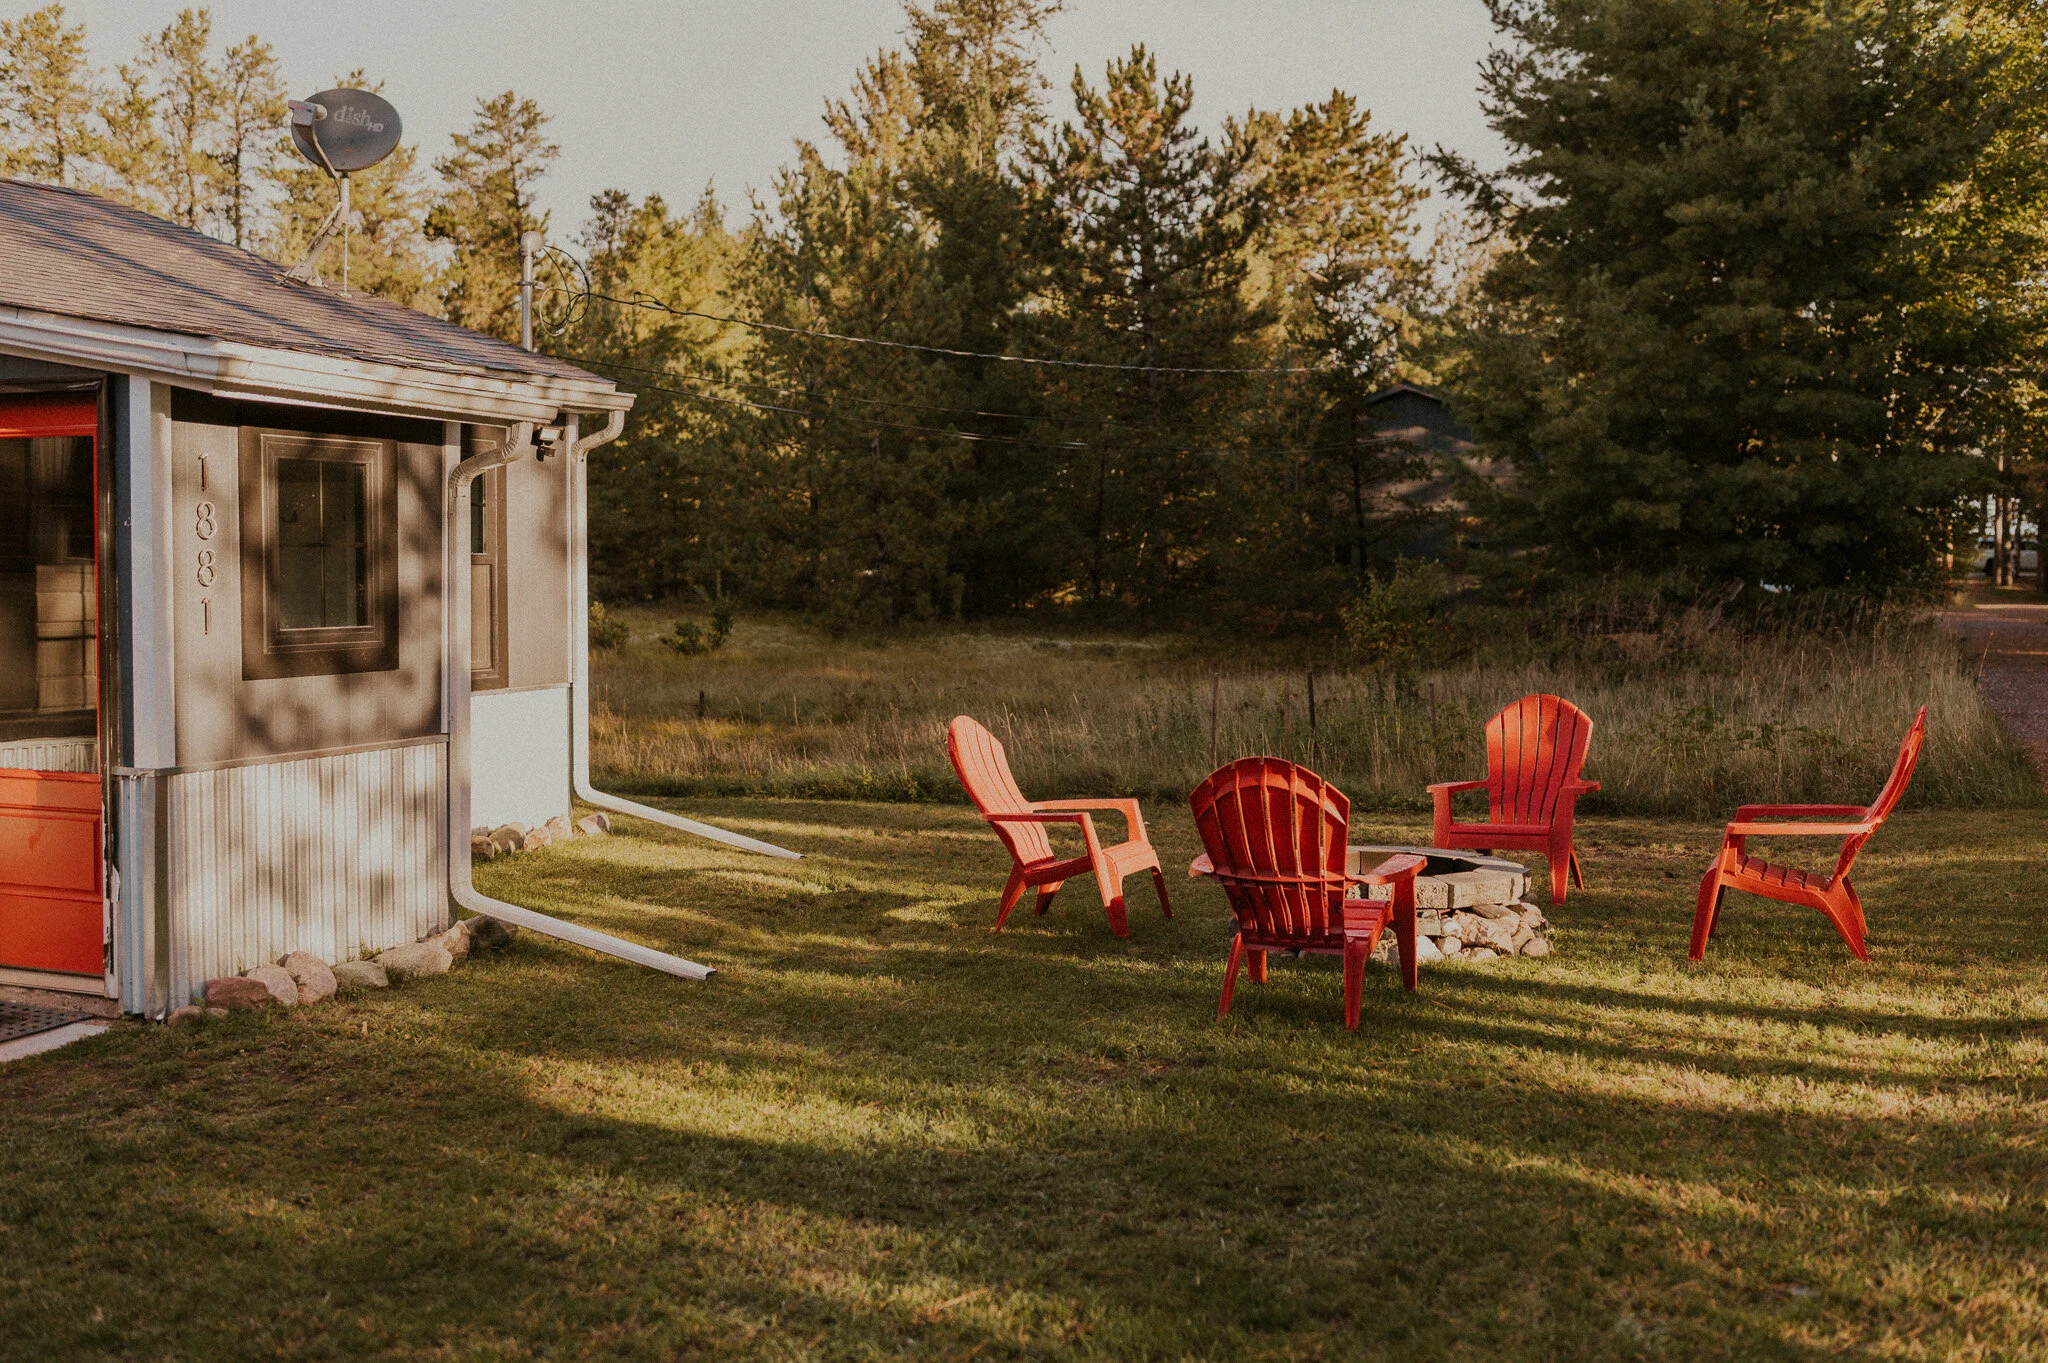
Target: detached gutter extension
(579, 652)
(457, 604)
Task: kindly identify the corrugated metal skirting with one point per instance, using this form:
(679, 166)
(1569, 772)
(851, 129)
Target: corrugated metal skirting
(51, 754)
(340, 856)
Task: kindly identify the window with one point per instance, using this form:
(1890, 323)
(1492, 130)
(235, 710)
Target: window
(487, 580)
(49, 609)
(318, 565)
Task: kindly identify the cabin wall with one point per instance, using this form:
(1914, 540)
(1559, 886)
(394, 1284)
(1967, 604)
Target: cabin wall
(51, 754)
(220, 716)
(519, 747)
(340, 855)
(519, 754)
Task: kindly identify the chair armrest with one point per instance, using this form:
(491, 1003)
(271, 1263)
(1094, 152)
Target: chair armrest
(1453, 787)
(1406, 866)
(1797, 830)
(1579, 787)
(1133, 819)
(1087, 825)
(1201, 866)
(1748, 812)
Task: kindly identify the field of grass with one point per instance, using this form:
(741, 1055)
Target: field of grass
(1687, 721)
(881, 1132)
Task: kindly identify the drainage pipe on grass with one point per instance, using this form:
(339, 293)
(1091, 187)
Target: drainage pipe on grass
(579, 653)
(456, 600)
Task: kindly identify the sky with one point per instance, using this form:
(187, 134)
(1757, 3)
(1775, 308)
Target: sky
(669, 95)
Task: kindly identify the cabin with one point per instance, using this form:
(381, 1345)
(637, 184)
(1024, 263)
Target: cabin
(1416, 421)
(292, 598)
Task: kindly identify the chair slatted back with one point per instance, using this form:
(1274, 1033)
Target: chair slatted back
(1880, 809)
(984, 772)
(1533, 747)
(1275, 835)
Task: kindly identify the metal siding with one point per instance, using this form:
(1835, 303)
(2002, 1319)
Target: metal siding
(340, 856)
(51, 754)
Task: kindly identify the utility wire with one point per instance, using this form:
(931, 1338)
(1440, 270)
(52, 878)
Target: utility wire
(829, 395)
(975, 436)
(648, 302)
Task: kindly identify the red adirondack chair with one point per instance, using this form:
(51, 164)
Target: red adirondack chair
(984, 772)
(1275, 834)
(1832, 895)
(1534, 751)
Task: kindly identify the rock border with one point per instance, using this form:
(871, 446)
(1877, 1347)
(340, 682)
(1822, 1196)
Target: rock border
(300, 978)
(488, 844)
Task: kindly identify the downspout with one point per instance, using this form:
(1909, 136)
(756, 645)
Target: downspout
(456, 603)
(579, 656)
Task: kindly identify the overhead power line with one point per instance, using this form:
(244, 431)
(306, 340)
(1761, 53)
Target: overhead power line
(649, 303)
(948, 433)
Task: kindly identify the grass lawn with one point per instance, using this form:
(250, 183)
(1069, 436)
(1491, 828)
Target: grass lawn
(881, 1132)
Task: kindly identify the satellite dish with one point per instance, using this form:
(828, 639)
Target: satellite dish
(345, 130)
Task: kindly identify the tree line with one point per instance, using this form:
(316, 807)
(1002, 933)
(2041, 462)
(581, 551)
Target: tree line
(1756, 300)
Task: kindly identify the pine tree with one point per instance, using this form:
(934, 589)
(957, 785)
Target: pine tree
(252, 110)
(176, 63)
(1150, 250)
(1763, 272)
(486, 202)
(47, 94)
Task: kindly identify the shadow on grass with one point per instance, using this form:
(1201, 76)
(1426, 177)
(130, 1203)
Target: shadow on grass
(876, 1137)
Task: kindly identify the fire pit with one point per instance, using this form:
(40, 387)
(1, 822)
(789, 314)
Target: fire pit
(1468, 906)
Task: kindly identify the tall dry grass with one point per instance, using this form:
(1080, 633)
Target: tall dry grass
(1688, 720)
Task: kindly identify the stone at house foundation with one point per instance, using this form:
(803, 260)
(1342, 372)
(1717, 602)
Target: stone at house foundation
(234, 992)
(186, 1016)
(558, 828)
(415, 961)
(362, 975)
(594, 825)
(280, 984)
(315, 981)
(482, 849)
(488, 934)
(537, 839)
(455, 941)
(509, 837)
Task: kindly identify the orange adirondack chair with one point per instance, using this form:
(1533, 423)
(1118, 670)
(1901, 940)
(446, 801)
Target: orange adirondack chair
(984, 772)
(1832, 895)
(1275, 834)
(1535, 749)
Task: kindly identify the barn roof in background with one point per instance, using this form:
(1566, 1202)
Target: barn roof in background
(75, 254)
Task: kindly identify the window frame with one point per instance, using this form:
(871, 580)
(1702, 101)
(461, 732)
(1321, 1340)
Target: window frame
(269, 651)
(491, 556)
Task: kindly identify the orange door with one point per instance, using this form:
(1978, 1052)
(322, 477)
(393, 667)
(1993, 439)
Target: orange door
(50, 903)
(51, 844)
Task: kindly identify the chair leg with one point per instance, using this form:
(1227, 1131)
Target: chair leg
(1708, 910)
(1560, 874)
(1013, 890)
(1578, 872)
(1258, 965)
(1118, 923)
(1045, 894)
(1848, 920)
(1230, 974)
(1355, 952)
(1112, 900)
(1159, 884)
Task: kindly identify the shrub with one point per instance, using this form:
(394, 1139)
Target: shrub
(608, 633)
(1388, 620)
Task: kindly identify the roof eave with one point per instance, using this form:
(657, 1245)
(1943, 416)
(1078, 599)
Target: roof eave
(229, 369)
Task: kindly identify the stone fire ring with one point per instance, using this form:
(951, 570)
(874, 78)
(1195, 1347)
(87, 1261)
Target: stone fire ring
(1468, 906)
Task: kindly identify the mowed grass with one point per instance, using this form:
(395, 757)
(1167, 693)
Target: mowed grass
(881, 1132)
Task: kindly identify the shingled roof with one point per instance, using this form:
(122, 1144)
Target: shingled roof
(76, 254)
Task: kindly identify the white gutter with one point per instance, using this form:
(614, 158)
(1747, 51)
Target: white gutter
(579, 659)
(456, 616)
(232, 370)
